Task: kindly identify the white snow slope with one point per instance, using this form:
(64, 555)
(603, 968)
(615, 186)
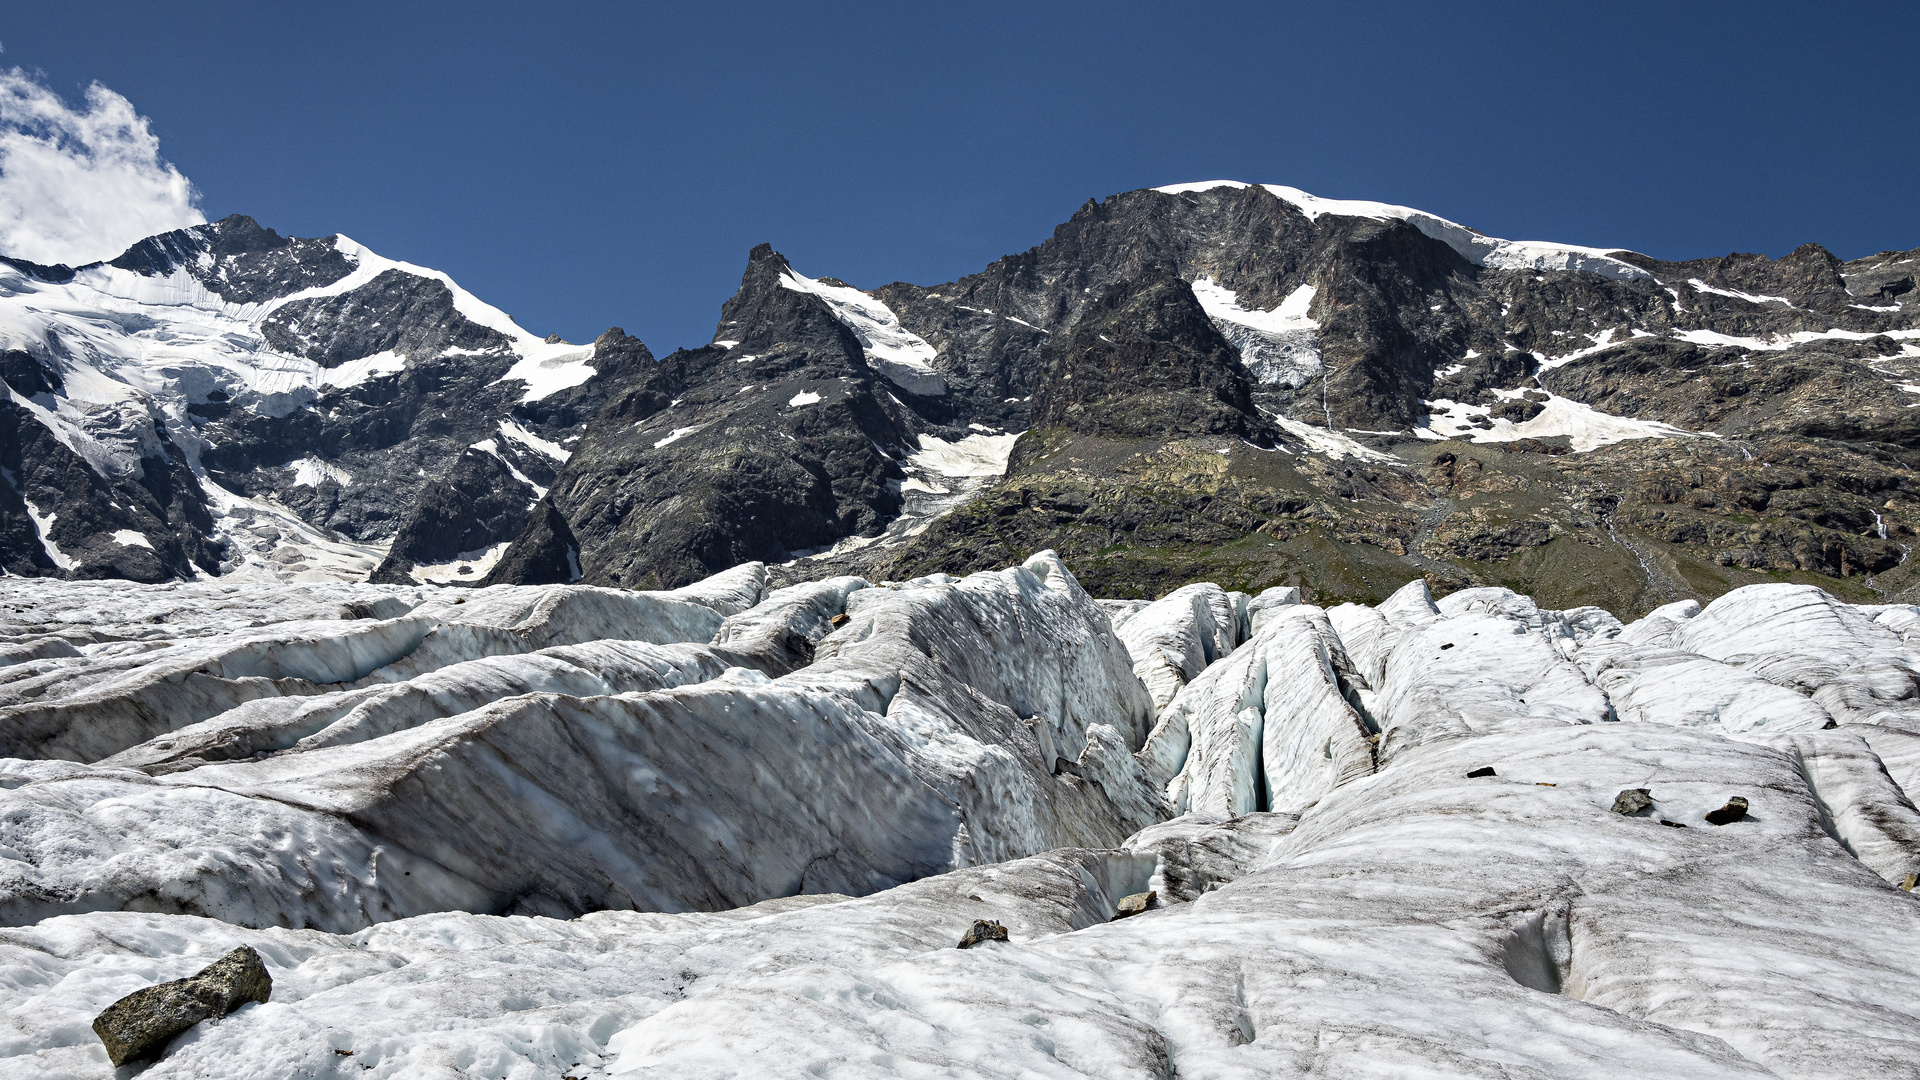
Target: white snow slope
(132, 348)
(398, 799)
(1280, 346)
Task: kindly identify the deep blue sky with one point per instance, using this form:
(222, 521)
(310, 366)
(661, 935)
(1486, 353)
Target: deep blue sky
(590, 165)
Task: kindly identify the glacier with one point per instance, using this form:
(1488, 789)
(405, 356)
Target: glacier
(566, 831)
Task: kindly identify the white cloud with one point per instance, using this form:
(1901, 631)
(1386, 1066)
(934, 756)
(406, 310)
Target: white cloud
(77, 185)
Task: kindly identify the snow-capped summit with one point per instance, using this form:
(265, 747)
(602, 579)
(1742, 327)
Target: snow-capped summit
(240, 402)
(1476, 247)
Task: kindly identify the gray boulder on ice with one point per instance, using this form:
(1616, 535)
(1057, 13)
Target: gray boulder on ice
(141, 1024)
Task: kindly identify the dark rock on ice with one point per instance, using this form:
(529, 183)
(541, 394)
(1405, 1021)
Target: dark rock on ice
(1484, 770)
(140, 1025)
(1735, 809)
(982, 930)
(1632, 801)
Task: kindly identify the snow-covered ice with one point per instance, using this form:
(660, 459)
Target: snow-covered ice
(1281, 346)
(1176, 637)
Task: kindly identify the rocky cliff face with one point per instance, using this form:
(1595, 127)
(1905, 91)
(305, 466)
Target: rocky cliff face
(779, 436)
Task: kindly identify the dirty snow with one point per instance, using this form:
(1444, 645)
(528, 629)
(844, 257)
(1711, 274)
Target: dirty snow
(1342, 898)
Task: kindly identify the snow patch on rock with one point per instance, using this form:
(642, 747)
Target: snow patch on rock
(1586, 427)
(1475, 247)
(1278, 347)
(902, 357)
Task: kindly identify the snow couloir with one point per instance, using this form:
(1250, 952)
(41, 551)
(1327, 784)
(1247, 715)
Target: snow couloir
(567, 831)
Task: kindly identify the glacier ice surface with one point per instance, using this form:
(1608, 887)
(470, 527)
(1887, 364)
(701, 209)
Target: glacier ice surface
(560, 831)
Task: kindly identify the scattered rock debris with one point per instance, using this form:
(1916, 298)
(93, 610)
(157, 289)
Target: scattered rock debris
(1135, 904)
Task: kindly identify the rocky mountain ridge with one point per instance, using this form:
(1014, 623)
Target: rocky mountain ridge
(1240, 382)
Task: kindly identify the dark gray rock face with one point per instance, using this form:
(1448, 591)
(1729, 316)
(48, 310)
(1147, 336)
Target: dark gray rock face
(1376, 281)
(785, 441)
(1146, 362)
(246, 263)
(396, 311)
(544, 553)
(140, 1025)
(478, 504)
